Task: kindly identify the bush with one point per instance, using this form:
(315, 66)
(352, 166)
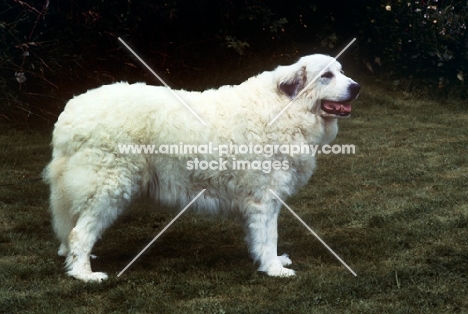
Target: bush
(427, 39)
(52, 50)
(36, 58)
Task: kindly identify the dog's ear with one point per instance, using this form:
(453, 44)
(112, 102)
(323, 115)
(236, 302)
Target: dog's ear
(294, 84)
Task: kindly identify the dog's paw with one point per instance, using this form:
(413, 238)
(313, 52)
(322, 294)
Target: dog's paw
(281, 272)
(285, 260)
(63, 250)
(89, 276)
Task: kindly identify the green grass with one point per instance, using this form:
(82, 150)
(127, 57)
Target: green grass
(396, 212)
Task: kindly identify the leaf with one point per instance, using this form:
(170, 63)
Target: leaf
(20, 77)
(377, 60)
(369, 66)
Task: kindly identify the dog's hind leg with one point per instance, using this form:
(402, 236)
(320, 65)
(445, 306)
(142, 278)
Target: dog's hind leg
(60, 202)
(89, 191)
(95, 218)
(112, 189)
(262, 238)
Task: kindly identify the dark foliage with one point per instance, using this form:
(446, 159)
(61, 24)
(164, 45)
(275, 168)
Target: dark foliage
(52, 50)
(424, 38)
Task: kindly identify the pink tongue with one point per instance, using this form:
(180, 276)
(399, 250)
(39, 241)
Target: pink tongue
(336, 107)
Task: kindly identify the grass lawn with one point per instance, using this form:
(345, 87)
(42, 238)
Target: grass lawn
(396, 212)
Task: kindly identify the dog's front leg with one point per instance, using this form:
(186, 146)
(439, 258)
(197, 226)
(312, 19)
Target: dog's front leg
(262, 238)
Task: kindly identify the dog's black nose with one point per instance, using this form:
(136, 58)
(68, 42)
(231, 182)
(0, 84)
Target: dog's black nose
(354, 89)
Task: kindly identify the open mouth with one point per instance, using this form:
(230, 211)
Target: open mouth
(336, 109)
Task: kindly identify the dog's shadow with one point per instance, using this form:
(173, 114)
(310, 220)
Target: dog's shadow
(208, 241)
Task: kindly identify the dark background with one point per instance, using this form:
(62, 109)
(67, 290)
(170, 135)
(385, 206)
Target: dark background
(50, 51)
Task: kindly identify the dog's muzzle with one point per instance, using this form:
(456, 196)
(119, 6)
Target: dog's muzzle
(340, 109)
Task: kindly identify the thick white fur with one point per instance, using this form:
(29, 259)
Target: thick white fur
(91, 183)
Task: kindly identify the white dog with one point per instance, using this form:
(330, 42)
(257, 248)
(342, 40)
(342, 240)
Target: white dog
(92, 181)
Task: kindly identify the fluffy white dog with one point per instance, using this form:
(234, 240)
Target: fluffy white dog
(92, 181)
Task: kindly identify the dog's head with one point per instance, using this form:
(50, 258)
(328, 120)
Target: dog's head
(320, 80)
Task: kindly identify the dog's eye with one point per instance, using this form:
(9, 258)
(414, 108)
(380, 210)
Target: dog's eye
(342, 72)
(327, 75)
